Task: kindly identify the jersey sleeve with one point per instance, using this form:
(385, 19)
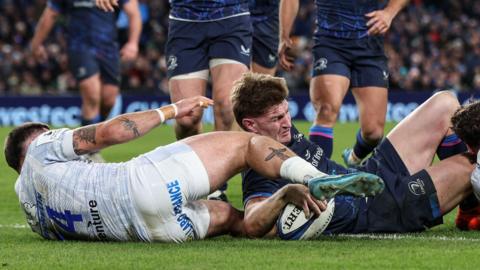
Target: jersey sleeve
(55, 145)
(255, 185)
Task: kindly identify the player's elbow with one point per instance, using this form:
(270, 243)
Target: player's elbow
(253, 228)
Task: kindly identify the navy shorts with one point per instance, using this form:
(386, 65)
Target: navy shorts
(85, 63)
(265, 42)
(363, 61)
(409, 203)
(191, 45)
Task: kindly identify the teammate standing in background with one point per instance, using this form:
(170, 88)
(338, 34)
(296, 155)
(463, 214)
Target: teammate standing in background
(212, 38)
(93, 53)
(348, 53)
(264, 17)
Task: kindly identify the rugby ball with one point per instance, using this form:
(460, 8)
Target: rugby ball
(293, 225)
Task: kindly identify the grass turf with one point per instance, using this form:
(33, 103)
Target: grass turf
(443, 247)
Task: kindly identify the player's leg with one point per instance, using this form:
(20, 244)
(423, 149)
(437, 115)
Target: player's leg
(183, 86)
(329, 84)
(369, 83)
(110, 77)
(229, 52)
(187, 69)
(224, 73)
(417, 137)
(451, 178)
(90, 92)
(109, 96)
(326, 93)
(84, 67)
(224, 219)
(372, 107)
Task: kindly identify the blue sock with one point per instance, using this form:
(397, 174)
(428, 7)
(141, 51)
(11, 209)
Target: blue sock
(361, 147)
(95, 120)
(451, 145)
(323, 137)
(223, 187)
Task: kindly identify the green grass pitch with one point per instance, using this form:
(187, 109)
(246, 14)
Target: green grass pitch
(443, 247)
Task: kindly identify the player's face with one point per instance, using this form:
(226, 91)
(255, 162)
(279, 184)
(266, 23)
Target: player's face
(275, 123)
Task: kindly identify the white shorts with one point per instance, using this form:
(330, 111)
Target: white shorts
(165, 185)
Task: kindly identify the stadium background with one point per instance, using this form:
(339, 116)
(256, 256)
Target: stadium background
(431, 45)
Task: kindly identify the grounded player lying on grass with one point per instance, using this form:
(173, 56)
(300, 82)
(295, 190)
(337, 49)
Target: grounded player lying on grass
(416, 194)
(155, 196)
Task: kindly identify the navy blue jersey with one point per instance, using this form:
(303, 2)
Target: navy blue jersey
(87, 26)
(262, 10)
(207, 10)
(344, 18)
(255, 185)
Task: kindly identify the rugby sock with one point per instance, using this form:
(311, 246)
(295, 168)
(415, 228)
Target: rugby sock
(298, 170)
(95, 120)
(451, 145)
(323, 137)
(361, 147)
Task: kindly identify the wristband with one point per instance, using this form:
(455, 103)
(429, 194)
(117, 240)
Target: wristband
(161, 114)
(175, 109)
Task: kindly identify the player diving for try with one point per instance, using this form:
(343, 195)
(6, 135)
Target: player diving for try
(155, 196)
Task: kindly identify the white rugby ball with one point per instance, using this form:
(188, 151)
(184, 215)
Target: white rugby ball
(293, 225)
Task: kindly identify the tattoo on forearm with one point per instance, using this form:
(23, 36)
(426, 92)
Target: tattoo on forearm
(277, 153)
(130, 125)
(85, 134)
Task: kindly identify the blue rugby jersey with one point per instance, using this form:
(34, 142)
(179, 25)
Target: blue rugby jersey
(88, 27)
(347, 208)
(253, 184)
(207, 10)
(262, 10)
(344, 18)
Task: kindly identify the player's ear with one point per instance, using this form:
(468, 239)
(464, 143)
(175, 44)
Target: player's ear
(249, 125)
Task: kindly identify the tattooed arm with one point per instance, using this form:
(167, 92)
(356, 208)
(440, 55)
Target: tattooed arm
(126, 127)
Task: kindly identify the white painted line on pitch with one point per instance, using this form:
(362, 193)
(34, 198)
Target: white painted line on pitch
(406, 236)
(14, 226)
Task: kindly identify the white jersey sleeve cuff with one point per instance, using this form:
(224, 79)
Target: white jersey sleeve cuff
(67, 145)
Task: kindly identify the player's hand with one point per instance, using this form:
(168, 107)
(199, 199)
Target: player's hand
(129, 51)
(187, 106)
(379, 22)
(106, 5)
(301, 197)
(39, 53)
(285, 54)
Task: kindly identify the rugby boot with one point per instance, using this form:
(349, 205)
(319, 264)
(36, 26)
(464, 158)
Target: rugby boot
(360, 184)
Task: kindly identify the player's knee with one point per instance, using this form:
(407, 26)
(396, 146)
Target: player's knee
(231, 219)
(373, 136)
(251, 228)
(327, 112)
(445, 102)
(223, 113)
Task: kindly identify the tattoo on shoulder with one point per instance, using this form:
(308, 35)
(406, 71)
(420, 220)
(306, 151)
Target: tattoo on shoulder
(277, 153)
(130, 125)
(85, 134)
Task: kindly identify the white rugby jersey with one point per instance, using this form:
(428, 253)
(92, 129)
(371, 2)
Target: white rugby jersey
(65, 197)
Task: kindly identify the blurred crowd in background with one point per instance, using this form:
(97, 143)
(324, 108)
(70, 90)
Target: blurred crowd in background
(431, 45)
